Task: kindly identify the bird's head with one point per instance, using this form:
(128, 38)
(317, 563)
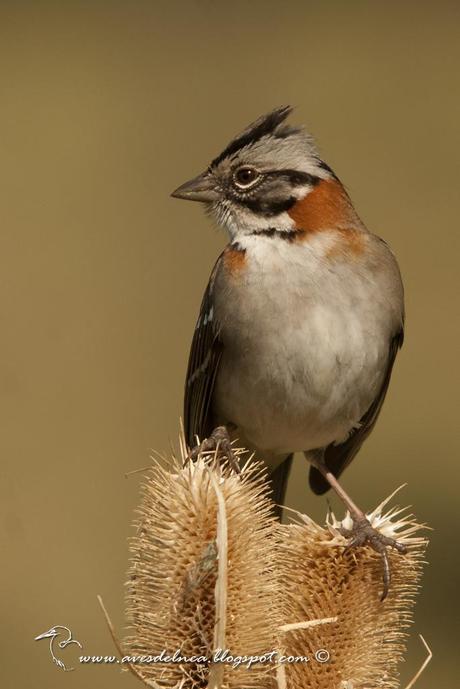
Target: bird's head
(259, 176)
(51, 633)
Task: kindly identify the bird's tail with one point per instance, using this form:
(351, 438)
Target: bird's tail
(279, 479)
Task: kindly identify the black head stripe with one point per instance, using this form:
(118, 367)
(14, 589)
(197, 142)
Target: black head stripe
(296, 178)
(261, 127)
(268, 208)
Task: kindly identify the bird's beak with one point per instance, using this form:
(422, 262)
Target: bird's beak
(201, 188)
(45, 635)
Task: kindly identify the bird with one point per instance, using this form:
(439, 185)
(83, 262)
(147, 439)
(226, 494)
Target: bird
(52, 635)
(301, 320)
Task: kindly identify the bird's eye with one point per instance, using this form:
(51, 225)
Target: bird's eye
(246, 176)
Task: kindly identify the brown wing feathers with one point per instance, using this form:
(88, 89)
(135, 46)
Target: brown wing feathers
(202, 369)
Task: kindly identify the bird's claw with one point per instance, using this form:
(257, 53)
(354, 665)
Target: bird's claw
(363, 533)
(218, 442)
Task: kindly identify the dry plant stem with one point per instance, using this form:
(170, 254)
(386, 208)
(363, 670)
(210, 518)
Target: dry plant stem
(137, 471)
(131, 667)
(216, 674)
(307, 624)
(423, 666)
(281, 676)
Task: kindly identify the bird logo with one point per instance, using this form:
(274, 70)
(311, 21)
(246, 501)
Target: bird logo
(52, 634)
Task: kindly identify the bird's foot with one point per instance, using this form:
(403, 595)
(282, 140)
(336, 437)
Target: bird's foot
(361, 534)
(219, 443)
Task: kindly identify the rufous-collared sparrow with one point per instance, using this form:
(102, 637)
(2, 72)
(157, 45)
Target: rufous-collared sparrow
(302, 317)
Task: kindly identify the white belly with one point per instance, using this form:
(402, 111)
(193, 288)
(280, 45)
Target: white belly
(305, 347)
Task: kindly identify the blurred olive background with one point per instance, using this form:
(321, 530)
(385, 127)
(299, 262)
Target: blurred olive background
(106, 107)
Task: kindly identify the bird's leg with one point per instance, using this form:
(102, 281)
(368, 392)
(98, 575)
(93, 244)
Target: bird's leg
(362, 532)
(218, 441)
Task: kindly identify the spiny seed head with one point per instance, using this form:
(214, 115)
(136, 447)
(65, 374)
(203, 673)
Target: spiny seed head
(211, 568)
(366, 643)
(193, 522)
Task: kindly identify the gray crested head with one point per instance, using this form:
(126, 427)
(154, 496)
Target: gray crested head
(259, 176)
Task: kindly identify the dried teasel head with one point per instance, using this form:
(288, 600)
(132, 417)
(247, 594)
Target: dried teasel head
(202, 575)
(361, 641)
(211, 569)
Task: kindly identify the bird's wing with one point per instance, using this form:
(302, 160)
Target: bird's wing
(203, 364)
(338, 457)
